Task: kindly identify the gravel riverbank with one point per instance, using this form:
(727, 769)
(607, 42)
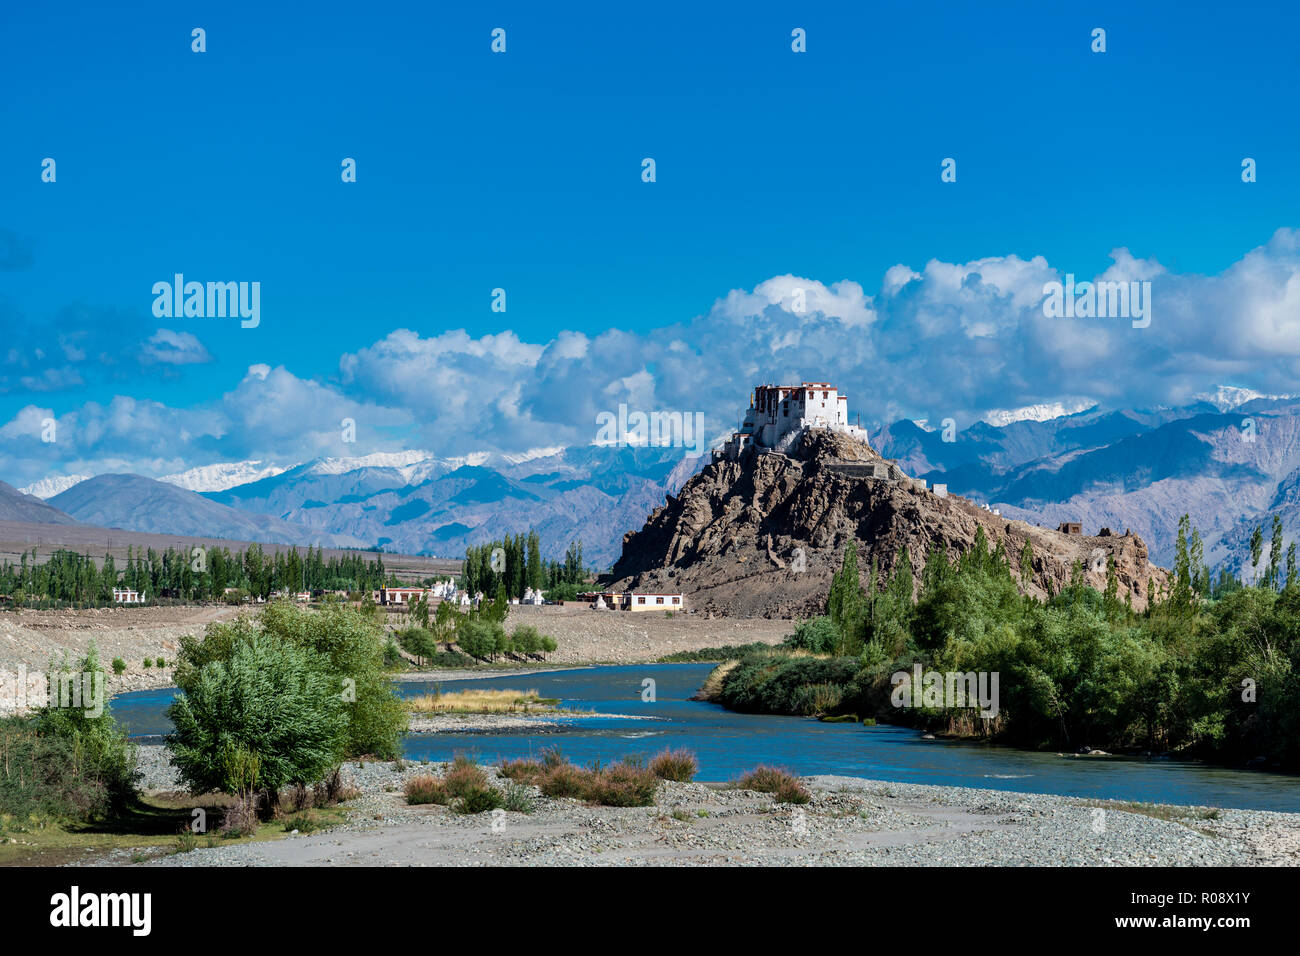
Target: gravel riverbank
(850, 821)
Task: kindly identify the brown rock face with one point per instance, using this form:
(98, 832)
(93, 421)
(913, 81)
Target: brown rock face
(762, 537)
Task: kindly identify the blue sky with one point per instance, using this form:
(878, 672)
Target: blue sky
(522, 171)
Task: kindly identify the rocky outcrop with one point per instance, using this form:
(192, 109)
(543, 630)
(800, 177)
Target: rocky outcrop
(762, 536)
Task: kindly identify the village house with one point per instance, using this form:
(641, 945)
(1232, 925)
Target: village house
(633, 601)
(396, 595)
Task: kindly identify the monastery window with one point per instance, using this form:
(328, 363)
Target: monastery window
(659, 600)
(677, 600)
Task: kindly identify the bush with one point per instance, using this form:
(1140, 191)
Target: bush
(622, 785)
(564, 780)
(678, 765)
(119, 666)
(464, 776)
(40, 777)
(524, 770)
(526, 640)
(160, 663)
(791, 791)
(240, 818)
(426, 789)
(726, 652)
(351, 648)
(517, 799)
(817, 634)
(148, 663)
(418, 642)
(781, 784)
(480, 639)
(66, 762)
(774, 683)
(268, 717)
(479, 799)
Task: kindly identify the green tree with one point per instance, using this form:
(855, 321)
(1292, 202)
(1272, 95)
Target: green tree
(267, 716)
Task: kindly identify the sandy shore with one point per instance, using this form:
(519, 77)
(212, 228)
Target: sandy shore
(850, 821)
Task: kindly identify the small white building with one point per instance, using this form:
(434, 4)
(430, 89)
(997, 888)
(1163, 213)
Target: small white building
(127, 596)
(637, 601)
(533, 597)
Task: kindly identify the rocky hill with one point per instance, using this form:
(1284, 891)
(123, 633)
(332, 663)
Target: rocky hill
(762, 536)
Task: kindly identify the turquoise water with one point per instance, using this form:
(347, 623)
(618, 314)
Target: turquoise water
(728, 744)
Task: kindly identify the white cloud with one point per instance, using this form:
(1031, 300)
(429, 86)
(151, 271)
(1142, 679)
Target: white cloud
(945, 340)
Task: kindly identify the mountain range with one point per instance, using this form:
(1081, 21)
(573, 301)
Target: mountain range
(1228, 460)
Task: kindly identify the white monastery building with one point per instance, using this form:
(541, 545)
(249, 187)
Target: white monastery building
(778, 413)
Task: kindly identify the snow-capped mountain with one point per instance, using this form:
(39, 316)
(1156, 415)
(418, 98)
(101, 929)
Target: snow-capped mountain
(49, 487)
(1036, 413)
(221, 476)
(1227, 397)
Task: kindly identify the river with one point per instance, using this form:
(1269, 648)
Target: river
(727, 743)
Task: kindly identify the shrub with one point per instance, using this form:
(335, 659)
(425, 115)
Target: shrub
(525, 640)
(813, 699)
(119, 666)
(622, 785)
(185, 843)
(785, 787)
(517, 798)
(480, 639)
(160, 663)
(763, 778)
(774, 682)
(526, 771)
(418, 642)
(66, 762)
(240, 818)
(791, 791)
(350, 647)
(300, 822)
(479, 799)
(268, 717)
(464, 776)
(817, 634)
(678, 765)
(426, 788)
(563, 780)
(148, 663)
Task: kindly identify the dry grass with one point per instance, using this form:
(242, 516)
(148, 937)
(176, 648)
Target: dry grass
(713, 683)
(629, 783)
(784, 786)
(677, 765)
(481, 702)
